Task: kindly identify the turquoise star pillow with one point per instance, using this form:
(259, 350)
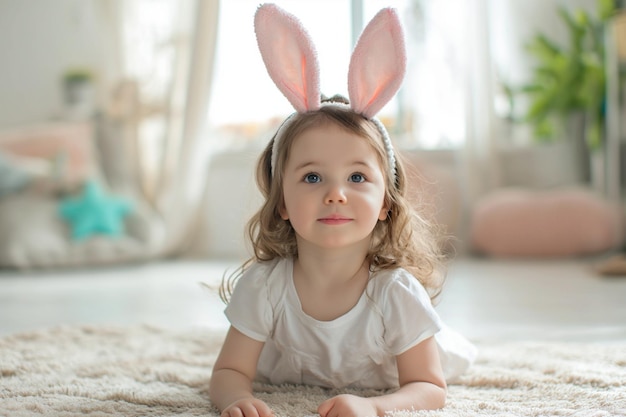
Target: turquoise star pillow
(94, 212)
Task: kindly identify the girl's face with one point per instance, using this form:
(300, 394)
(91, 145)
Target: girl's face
(333, 187)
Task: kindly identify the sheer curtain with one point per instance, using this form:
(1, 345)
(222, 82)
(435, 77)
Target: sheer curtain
(479, 155)
(161, 94)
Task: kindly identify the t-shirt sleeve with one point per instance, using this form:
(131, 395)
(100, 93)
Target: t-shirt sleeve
(249, 309)
(408, 314)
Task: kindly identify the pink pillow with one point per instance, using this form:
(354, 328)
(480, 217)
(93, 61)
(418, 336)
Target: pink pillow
(72, 141)
(554, 223)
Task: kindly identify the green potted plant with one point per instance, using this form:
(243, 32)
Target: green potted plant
(78, 91)
(570, 81)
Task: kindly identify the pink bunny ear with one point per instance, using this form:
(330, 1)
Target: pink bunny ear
(289, 56)
(378, 64)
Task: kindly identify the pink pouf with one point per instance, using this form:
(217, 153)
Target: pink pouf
(555, 223)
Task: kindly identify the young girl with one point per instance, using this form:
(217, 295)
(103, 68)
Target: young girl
(338, 293)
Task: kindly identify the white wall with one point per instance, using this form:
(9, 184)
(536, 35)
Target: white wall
(39, 41)
(231, 198)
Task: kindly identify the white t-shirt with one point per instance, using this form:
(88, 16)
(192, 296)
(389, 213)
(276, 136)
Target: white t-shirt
(357, 349)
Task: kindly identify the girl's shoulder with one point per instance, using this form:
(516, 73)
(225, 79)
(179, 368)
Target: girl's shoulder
(266, 276)
(385, 278)
(257, 297)
(389, 284)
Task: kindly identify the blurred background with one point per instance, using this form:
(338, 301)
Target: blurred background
(129, 129)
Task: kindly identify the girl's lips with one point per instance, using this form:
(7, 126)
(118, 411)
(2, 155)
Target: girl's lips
(335, 220)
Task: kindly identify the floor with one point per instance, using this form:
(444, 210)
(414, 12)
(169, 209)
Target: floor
(483, 299)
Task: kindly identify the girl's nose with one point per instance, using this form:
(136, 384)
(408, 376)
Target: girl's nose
(335, 194)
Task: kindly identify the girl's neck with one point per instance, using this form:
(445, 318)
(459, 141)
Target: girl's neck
(328, 268)
(328, 287)
(328, 274)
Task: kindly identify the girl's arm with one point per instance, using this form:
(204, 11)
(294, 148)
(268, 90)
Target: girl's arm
(231, 382)
(422, 387)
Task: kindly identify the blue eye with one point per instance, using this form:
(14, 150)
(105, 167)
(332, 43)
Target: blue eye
(312, 178)
(356, 177)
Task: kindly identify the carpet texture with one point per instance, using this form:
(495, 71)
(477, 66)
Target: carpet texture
(143, 371)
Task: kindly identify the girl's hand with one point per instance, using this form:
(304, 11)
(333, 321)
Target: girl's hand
(248, 407)
(347, 405)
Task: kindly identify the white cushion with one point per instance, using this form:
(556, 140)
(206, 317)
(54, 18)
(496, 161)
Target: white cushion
(32, 235)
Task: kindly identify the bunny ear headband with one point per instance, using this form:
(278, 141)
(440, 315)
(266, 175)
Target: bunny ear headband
(376, 70)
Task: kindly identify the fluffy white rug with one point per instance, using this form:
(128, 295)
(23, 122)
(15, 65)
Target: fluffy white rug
(96, 371)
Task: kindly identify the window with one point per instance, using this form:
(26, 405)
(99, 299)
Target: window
(432, 100)
(428, 112)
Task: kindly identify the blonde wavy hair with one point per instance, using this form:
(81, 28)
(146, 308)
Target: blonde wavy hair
(405, 239)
